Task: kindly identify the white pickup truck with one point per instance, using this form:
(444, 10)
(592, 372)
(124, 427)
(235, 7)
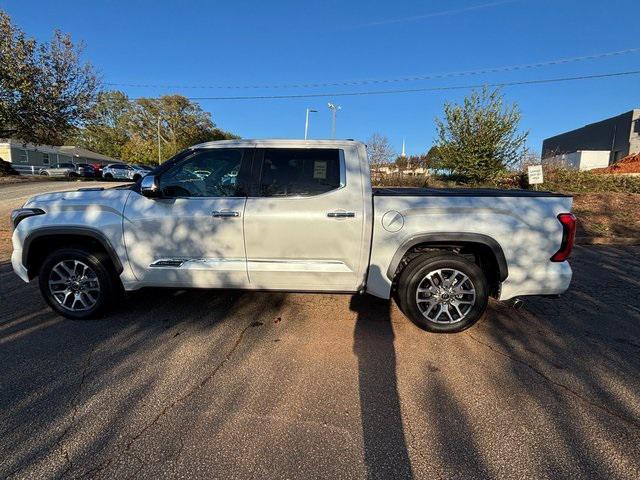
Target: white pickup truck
(295, 216)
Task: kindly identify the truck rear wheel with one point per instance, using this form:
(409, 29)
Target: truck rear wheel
(77, 284)
(442, 292)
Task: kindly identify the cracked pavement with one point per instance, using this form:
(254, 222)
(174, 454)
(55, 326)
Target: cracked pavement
(206, 384)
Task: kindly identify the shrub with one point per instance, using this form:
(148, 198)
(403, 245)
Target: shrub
(556, 178)
(479, 139)
(565, 180)
(6, 169)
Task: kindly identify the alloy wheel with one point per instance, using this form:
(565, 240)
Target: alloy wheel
(445, 296)
(74, 285)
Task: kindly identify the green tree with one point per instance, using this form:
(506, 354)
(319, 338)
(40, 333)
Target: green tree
(480, 138)
(45, 89)
(182, 123)
(401, 162)
(128, 129)
(107, 129)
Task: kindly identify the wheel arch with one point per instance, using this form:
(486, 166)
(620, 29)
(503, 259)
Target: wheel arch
(38, 244)
(487, 250)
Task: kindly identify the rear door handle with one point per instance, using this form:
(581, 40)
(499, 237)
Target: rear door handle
(225, 214)
(341, 214)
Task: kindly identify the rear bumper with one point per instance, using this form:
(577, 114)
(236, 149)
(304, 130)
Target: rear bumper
(546, 279)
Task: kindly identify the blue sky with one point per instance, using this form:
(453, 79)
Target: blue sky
(243, 43)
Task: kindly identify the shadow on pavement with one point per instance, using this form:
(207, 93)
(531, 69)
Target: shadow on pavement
(551, 391)
(385, 449)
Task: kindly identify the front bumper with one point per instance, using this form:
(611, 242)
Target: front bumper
(16, 263)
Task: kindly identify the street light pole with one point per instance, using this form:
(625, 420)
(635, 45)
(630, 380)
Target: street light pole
(306, 122)
(334, 110)
(159, 148)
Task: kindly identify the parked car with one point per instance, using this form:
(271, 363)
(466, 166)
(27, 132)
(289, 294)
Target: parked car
(69, 170)
(59, 170)
(97, 167)
(141, 171)
(122, 171)
(85, 170)
(294, 216)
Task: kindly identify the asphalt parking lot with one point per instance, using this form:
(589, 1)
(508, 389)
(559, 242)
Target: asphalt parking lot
(205, 384)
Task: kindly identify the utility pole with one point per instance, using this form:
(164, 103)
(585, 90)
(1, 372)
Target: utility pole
(334, 110)
(306, 122)
(159, 148)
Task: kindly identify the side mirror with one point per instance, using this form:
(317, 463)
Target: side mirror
(150, 186)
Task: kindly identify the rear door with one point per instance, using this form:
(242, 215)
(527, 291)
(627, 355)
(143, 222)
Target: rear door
(304, 221)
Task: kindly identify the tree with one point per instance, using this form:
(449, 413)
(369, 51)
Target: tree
(182, 123)
(412, 162)
(107, 129)
(128, 129)
(45, 89)
(480, 138)
(379, 149)
(401, 162)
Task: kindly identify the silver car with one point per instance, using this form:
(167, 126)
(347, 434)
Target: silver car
(122, 171)
(60, 170)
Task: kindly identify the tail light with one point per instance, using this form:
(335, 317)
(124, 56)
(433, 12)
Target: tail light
(568, 221)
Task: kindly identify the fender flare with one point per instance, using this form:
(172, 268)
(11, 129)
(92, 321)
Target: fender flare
(76, 231)
(454, 238)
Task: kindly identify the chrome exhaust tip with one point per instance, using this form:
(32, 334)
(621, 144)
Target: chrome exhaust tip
(516, 303)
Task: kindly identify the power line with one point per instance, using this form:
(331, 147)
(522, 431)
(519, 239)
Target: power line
(417, 90)
(412, 78)
(442, 13)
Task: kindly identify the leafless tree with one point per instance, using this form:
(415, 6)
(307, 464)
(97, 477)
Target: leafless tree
(379, 149)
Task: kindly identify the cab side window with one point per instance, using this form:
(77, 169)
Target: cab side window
(205, 173)
(295, 172)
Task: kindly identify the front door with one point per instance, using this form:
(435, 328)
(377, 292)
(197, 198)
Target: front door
(304, 221)
(193, 234)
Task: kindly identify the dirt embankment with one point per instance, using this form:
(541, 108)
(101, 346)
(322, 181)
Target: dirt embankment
(610, 215)
(630, 164)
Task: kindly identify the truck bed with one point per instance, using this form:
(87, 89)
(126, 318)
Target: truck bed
(459, 192)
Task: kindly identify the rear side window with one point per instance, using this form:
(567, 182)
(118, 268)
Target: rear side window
(291, 172)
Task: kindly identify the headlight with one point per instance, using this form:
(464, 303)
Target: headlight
(21, 213)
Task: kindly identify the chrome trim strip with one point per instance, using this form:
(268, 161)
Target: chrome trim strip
(284, 265)
(200, 263)
(343, 169)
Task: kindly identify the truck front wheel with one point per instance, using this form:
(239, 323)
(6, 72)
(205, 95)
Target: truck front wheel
(76, 283)
(442, 292)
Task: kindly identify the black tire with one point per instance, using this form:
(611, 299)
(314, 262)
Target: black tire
(137, 177)
(107, 176)
(46, 174)
(105, 275)
(414, 274)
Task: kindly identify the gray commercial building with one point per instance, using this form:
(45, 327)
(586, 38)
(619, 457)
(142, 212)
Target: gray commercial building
(620, 136)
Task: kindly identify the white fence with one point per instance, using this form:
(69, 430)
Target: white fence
(27, 169)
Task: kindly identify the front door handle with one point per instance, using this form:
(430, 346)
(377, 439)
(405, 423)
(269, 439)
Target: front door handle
(225, 214)
(341, 214)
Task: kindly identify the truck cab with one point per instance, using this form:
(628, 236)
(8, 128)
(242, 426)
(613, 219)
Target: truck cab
(261, 215)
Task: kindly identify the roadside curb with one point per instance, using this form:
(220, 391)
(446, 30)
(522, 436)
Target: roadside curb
(607, 241)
